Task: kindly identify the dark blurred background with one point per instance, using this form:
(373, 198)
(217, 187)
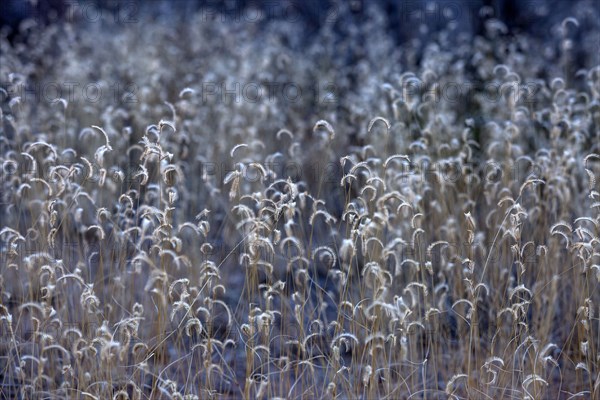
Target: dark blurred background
(404, 16)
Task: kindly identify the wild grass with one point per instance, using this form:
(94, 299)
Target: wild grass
(394, 243)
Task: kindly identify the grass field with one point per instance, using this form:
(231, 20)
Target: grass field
(201, 206)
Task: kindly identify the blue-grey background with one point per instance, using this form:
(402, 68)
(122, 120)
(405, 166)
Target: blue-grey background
(533, 16)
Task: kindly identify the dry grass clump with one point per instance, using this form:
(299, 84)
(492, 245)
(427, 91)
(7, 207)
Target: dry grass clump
(163, 241)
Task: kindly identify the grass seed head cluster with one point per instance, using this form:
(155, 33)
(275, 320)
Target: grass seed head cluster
(375, 236)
